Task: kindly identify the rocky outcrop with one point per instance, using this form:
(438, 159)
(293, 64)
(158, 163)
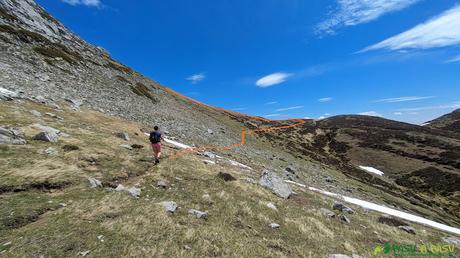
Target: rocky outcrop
(12, 135)
(273, 182)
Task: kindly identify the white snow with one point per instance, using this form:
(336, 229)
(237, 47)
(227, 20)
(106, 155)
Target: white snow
(372, 170)
(178, 144)
(237, 164)
(383, 209)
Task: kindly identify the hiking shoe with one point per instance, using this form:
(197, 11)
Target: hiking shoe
(157, 161)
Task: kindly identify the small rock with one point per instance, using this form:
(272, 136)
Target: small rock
(51, 151)
(47, 137)
(271, 206)
(276, 184)
(134, 192)
(391, 221)
(209, 155)
(63, 204)
(342, 208)
(11, 135)
(338, 256)
(123, 136)
(101, 238)
(75, 104)
(93, 182)
(40, 99)
(7, 243)
(226, 176)
(198, 214)
(327, 213)
(120, 188)
(36, 113)
(329, 179)
(162, 184)
(344, 218)
(169, 206)
(186, 247)
(210, 131)
(408, 229)
(84, 253)
(355, 256)
(126, 146)
(274, 225)
(452, 240)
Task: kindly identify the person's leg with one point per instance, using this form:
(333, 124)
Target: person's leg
(154, 150)
(157, 148)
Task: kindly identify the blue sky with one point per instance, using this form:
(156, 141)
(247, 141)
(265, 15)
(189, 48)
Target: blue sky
(399, 59)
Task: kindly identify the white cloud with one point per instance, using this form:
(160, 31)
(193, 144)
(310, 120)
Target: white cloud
(327, 99)
(288, 108)
(354, 12)
(271, 103)
(404, 99)
(398, 113)
(370, 113)
(440, 31)
(454, 105)
(272, 79)
(454, 59)
(93, 3)
(272, 115)
(196, 78)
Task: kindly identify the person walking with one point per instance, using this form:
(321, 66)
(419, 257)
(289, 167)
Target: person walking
(155, 140)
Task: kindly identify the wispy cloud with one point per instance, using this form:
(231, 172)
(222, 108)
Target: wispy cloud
(196, 78)
(272, 79)
(91, 3)
(454, 105)
(238, 109)
(454, 59)
(440, 31)
(370, 113)
(327, 99)
(272, 115)
(404, 99)
(288, 108)
(271, 103)
(354, 12)
(398, 113)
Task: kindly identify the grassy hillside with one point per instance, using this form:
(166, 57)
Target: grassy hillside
(47, 207)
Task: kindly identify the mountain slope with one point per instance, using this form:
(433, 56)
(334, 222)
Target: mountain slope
(47, 207)
(449, 122)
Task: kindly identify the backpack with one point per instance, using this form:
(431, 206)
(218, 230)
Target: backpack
(155, 137)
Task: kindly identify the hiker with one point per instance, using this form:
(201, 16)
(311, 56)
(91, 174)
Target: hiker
(155, 139)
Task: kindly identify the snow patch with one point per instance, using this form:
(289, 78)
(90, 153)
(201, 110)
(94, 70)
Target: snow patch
(383, 209)
(372, 170)
(177, 144)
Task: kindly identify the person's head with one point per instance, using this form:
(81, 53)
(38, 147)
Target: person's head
(155, 128)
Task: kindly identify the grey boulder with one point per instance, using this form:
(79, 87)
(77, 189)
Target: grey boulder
(169, 206)
(327, 213)
(11, 135)
(198, 214)
(47, 137)
(7, 94)
(276, 184)
(340, 207)
(123, 135)
(274, 225)
(93, 182)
